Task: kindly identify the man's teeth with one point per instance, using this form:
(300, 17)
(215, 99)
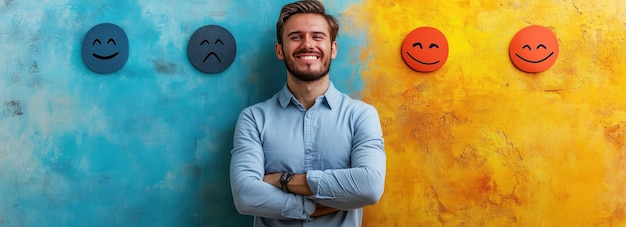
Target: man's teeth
(309, 58)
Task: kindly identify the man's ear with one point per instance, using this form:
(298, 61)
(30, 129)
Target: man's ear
(333, 50)
(279, 51)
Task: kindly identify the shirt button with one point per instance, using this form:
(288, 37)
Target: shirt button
(308, 151)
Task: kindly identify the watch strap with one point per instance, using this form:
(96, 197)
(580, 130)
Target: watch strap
(284, 179)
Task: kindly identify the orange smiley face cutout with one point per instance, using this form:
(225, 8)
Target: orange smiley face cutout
(425, 49)
(534, 49)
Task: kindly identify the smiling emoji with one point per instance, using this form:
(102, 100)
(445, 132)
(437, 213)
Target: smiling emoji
(425, 49)
(534, 49)
(105, 48)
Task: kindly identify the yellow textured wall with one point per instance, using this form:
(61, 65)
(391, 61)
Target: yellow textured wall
(480, 143)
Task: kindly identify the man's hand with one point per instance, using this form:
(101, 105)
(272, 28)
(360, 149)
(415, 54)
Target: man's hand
(300, 179)
(322, 210)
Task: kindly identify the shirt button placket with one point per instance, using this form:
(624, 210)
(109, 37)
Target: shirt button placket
(308, 141)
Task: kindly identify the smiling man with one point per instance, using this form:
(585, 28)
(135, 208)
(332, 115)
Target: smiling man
(310, 155)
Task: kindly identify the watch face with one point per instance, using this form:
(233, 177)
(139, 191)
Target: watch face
(284, 179)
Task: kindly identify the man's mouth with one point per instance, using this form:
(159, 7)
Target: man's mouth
(308, 57)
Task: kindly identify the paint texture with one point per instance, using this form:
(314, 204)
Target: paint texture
(147, 145)
(476, 143)
(480, 143)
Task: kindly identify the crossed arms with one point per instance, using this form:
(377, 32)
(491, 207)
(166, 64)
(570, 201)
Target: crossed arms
(314, 192)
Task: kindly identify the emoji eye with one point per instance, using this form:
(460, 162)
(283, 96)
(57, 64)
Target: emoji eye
(111, 40)
(203, 42)
(417, 44)
(433, 45)
(526, 46)
(541, 45)
(220, 41)
(94, 42)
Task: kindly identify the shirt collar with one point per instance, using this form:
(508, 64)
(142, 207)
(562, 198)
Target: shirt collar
(331, 97)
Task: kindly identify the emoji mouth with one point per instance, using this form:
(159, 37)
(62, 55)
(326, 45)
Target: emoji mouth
(212, 54)
(105, 57)
(526, 60)
(425, 63)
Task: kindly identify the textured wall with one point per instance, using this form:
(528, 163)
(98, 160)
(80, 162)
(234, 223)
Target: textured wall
(476, 143)
(147, 145)
(480, 143)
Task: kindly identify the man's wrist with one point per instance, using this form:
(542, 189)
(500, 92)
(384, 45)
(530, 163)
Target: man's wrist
(284, 180)
(298, 185)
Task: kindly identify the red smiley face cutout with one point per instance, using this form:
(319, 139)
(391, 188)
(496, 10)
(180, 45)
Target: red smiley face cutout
(425, 49)
(534, 49)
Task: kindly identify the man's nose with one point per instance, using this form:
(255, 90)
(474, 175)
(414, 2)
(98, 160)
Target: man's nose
(308, 42)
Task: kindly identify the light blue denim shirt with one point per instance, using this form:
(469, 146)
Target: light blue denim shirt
(338, 143)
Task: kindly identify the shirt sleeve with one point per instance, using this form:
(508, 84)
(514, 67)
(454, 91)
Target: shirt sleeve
(363, 183)
(251, 195)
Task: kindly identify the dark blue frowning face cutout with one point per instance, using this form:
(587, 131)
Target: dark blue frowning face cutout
(105, 48)
(211, 49)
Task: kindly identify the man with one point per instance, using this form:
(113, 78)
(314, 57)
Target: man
(309, 155)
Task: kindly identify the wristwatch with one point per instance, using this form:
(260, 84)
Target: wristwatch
(284, 179)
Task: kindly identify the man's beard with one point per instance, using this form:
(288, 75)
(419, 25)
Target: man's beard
(307, 75)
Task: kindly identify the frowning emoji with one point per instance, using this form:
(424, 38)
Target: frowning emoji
(211, 49)
(425, 49)
(534, 49)
(105, 48)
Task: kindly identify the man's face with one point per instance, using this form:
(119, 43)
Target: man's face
(307, 47)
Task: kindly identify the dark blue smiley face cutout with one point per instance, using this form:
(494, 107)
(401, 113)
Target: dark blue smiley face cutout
(211, 49)
(105, 48)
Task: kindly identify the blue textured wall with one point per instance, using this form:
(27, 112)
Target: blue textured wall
(149, 144)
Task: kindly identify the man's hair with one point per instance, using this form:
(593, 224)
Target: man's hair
(305, 6)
